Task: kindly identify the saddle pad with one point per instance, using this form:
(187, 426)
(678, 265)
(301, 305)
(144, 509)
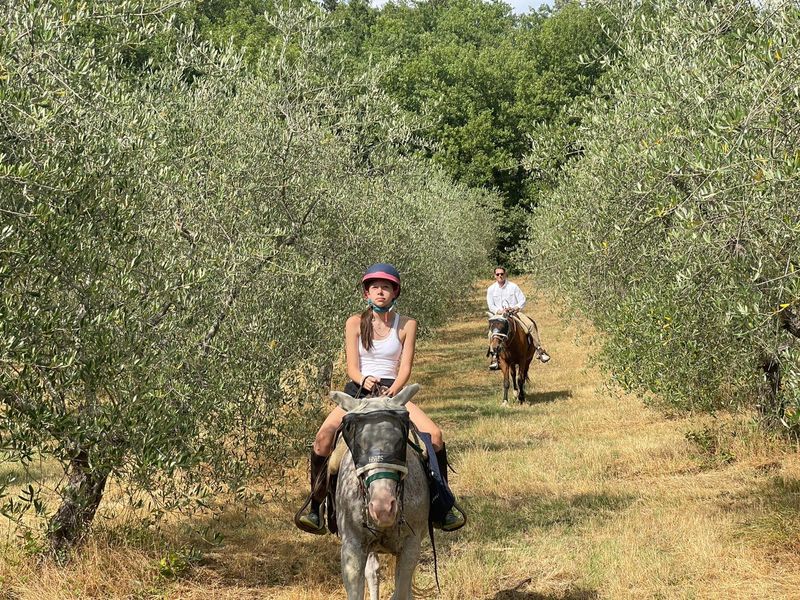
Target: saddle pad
(335, 460)
(519, 322)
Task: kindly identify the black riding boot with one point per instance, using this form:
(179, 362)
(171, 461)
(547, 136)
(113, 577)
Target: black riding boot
(313, 521)
(452, 521)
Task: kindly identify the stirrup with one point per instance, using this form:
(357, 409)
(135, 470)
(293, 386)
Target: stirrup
(305, 522)
(458, 523)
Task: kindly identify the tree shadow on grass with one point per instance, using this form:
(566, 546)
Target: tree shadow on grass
(453, 411)
(770, 513)
(493, 518)
(286, 562)
(258, 549)
(570, 594)
(528, 443)
(474, 402)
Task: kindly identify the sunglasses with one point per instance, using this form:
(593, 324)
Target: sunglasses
(498, 274)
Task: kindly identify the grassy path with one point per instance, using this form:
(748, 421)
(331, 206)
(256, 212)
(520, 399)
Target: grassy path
(586, 494)
(579, 494)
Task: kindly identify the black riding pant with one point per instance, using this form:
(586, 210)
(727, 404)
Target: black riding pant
(356, 391)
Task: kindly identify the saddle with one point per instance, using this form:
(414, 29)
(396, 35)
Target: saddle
(520, 323)
(335, 462)
(525, 328)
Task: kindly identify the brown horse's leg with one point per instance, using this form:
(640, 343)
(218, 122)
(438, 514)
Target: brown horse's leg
(513, 377)
(523, 373)
(524, 352)
(506, 384)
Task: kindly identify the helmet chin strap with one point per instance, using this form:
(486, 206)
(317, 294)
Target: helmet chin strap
(380, 309)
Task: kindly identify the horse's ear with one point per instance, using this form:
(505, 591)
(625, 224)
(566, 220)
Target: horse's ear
(406, 394)
(490, 314)
(346, 401)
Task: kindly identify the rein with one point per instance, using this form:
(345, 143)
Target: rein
(365, 482)
(386, 456)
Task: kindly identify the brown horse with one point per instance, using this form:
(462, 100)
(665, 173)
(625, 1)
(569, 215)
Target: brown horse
(511, 345)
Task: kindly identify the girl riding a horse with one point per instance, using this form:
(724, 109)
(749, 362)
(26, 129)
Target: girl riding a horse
(379, 347)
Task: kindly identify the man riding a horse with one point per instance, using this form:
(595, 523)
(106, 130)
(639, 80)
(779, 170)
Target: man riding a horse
(506, 299)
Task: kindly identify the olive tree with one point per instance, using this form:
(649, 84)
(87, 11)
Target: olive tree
(181, 243)
(677, 228)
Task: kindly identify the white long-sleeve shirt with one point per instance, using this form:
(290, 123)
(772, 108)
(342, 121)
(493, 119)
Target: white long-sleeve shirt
(507, 296)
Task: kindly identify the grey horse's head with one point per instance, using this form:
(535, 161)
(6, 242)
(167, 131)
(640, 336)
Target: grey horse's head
(376, 431)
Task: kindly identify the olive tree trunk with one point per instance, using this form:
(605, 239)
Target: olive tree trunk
(80, 499)
(773, 408)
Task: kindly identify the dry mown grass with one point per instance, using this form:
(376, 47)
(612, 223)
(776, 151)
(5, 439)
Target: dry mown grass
(579, 494)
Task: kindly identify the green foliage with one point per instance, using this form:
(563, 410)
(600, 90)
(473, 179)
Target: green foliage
(477, 78)
(480, 79)
(180, 246)
(240, 23)
(176, 563)
(677, 229)
(713, 452)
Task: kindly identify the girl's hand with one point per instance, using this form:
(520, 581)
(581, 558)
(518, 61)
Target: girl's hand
(369, 383)
(391, 391)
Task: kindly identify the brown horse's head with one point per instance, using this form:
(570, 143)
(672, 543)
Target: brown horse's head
(499, 327)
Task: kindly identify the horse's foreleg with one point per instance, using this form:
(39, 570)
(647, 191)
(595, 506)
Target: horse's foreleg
(354, 562)
(506, 383)
(514, 380)
(404, 570)
(523, 376)
(372, 574)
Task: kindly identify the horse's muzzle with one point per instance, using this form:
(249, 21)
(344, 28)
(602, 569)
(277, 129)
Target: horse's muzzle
(383, 512)
(496, 345)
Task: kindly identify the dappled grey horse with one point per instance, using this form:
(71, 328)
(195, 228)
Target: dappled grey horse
(382, 496)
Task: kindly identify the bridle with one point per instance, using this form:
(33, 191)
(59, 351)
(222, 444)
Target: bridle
(386, 460)
(363, 487)
(500, 325)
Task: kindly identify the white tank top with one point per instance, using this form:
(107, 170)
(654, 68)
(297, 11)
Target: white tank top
(383, 359)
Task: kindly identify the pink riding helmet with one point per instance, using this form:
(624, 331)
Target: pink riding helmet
(382, 271)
